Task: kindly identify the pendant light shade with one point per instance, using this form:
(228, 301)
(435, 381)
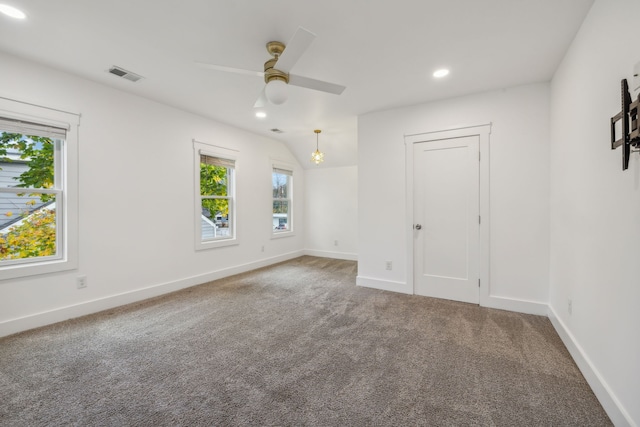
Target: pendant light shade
(317, 156)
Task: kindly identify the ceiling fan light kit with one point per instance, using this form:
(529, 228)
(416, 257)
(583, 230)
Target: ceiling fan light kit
(276, 91)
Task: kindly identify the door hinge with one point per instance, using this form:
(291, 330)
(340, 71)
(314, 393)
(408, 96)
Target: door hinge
(478, 282)
(479, 219)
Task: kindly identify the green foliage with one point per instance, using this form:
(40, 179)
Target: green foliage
(280, 206)
(34, 237)
(38, 152)
(214, 182)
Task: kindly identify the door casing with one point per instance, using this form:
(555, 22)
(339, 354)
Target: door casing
(483, 132)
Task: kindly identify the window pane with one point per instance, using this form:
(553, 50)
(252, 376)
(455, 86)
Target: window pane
(27, 226)
(214, 180)
(280, 186)
(26, 161)
(214, 195)
(280, 215)
(215, 221)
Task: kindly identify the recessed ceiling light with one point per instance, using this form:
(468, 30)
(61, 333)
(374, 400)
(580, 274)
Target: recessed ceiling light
(12, 11)
(261, 114)
(441, 73)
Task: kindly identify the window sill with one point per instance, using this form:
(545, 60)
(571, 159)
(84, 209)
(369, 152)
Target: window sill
(281, 234)
(36, 268)
(203, 246)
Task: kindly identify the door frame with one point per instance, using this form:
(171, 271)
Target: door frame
(483, 132)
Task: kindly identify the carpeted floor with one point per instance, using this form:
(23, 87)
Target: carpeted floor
(294, 344)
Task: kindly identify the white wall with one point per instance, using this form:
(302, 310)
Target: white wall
(331, 207)
(595, 210)
(137, 200)
(519, 190)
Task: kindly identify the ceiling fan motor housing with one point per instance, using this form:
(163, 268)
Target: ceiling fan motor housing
(271, 73)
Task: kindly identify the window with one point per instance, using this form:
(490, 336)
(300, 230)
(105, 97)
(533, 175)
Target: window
(282, 182)
(38, 191)
(215, 207)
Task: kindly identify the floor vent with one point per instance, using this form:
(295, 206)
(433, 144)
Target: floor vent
(121, 72)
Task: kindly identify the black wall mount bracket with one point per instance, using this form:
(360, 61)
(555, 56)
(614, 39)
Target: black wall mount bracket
(628, 117)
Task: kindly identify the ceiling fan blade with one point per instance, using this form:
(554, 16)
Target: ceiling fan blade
(294, 50)
(262, 99)
(231, 69)
(316, 84)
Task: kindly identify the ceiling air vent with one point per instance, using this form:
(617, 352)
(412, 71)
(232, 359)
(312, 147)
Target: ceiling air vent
(121, 72)
(276, 130)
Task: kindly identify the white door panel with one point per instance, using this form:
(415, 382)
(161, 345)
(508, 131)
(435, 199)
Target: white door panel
(446, 205)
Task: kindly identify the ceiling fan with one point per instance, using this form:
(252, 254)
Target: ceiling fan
(276, 79)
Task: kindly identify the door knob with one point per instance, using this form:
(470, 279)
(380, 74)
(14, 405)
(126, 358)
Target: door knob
(417, 226)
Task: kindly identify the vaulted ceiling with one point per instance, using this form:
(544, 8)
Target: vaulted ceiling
(383, 51)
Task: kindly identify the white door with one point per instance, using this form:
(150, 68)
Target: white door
(446, 218)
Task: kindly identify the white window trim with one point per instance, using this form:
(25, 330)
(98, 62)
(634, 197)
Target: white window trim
(276, 164)
(224, 153)
(68, 170)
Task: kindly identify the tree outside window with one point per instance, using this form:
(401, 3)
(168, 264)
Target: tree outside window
(28, 222)
(216, 198)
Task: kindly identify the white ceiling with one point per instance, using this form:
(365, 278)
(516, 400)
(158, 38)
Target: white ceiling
(383, 51)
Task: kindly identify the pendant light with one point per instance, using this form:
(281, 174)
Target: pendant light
(317, 156)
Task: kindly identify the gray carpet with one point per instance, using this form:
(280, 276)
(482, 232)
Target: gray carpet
(294, 344)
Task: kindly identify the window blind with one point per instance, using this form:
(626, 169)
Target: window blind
(32, 129)
(217, 161)
(283, 171)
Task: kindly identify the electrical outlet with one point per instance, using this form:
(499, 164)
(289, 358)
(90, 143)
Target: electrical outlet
(81, 282)
(389, 265)
(570, 306)
(262, 249)
(335, 243)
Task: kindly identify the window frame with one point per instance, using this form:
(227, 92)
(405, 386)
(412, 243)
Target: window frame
(275, 234)
(201, 148)
(66, 190)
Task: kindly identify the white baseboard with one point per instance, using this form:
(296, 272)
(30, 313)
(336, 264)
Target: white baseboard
(37, 320)
(385, 285)
(517, 305)
(612, 406)
(335, 255)
(509, 304)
